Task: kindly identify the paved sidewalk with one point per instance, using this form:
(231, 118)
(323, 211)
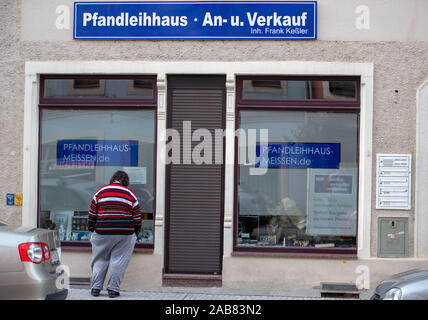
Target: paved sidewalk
(181, 294)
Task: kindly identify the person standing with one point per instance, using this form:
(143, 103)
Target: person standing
(115, 221)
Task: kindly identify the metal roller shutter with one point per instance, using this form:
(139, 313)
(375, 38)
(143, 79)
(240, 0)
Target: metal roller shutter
(194, 217)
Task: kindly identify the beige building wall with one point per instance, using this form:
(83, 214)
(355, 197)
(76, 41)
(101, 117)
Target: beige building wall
(399, 56)
(144, 269)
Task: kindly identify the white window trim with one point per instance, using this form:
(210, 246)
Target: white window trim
(421, 174)
(231, 69)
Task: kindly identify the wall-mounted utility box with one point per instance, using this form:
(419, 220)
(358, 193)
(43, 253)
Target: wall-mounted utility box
(393, 237)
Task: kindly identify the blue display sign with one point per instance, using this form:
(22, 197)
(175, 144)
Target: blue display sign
(97, 153)
(196, 20)
(10, 199)
(298, 155)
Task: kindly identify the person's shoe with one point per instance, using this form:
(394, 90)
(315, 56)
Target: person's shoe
(113, 294)
(95, 292)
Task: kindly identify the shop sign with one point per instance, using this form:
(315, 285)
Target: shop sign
(196, 20)
(291, 155)
(97, 153)
(332, 202)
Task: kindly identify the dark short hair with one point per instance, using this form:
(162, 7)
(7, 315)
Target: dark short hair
(120, 176)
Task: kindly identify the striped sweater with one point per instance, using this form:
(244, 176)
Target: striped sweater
(114, 210)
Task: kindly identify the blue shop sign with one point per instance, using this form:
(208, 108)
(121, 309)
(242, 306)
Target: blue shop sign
(97, 153)
(293, 155)
(196, 20)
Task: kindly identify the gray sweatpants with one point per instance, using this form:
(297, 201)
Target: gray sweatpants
(113, 250)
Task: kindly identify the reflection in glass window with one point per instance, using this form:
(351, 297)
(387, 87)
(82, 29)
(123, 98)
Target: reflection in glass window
(263, 89)
(307, 196)
(79, 152)
(99, 88)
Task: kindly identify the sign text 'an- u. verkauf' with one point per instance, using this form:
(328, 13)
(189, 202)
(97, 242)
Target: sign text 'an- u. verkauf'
(196, 20)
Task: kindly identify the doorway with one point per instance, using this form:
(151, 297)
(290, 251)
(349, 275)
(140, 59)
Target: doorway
(195, 180)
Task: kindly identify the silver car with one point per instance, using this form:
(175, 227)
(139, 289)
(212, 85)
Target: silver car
(409, 285)
(30, 264)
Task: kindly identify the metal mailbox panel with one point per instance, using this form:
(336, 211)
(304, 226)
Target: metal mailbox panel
(393, 237)
(393, 181)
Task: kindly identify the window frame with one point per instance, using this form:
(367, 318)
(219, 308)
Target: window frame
(73, 103)
(312, 104)
(293, 105)
(97, 102)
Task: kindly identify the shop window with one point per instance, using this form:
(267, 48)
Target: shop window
(81, 148)
(304, 196)
(59, 88)
(279, 89)
(70, 173)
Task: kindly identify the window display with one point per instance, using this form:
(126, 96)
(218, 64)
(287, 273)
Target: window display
(80, 149)
(307, 196)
